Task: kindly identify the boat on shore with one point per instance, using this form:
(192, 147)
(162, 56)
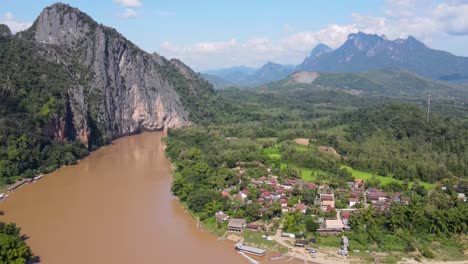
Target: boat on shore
(251, 260)
(38, 177)
(276, 257)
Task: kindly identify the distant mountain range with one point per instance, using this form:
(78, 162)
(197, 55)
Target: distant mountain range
(362, 52)
(245, 76)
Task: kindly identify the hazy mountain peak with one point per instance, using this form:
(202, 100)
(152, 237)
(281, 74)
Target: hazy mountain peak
(270, 64)
(319, 50)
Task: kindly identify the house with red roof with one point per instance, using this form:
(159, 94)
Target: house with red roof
(301, 207)
(352, 201)
(283, 202)
(311, 185)
(221, 217)
(266, 195)
(244, 194)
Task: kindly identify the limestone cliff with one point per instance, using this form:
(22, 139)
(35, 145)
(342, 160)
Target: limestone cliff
(115, 87)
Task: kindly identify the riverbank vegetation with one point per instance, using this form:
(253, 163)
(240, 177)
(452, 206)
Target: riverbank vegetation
(13, 249)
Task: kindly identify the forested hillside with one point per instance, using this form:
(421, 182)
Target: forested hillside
(397, 139)
(32, 100)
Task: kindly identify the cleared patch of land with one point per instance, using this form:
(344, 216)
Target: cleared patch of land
(328, 150)
(302, 141)
(305, 77)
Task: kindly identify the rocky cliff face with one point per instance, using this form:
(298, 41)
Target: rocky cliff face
(116, 88)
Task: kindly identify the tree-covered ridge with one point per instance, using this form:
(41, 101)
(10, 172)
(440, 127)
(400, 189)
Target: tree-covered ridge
(397, 139)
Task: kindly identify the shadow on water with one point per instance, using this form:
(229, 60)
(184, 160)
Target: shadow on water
(34, 260)
(24, 237)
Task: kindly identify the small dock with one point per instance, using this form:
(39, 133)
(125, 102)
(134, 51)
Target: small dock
(18, 184)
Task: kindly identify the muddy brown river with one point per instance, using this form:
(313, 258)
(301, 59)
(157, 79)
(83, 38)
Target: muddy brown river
(113, 207)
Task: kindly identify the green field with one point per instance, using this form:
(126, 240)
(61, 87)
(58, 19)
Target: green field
(306, 173)
(273, 153)
(384, 180)
(300, 148)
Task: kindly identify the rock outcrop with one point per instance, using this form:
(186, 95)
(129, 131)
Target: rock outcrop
(5, 31)
(116, 88)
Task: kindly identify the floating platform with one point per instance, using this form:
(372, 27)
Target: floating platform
(250, 250)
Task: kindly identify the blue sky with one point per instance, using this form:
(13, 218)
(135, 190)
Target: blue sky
(209, 34)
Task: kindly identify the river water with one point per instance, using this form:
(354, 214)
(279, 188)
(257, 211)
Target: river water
(114, 207)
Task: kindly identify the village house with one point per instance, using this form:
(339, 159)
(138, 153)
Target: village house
(252, 227)
(358, 182)
(301, 207)
(327, 200)
(244, 194)
(332, 227)
(266, 195)
(226, 194)
(221, 217)
(405, 199)
(377, 196)
(352, 202)
(236, 225)
(311, 185)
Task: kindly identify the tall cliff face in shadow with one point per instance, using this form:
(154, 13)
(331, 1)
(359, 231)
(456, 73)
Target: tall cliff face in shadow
(113, 87)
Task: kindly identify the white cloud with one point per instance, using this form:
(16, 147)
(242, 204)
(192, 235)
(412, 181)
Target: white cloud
(14, 24)
(453, 17)
(128, 13)
(423, 20)
(129, 3)
(130, 6)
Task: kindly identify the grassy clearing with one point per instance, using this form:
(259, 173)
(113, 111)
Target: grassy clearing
(329, 241)
(214, 226)
(300, 148)
(255, 239)
(384, 180)
(273, 153)
(307, 175)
